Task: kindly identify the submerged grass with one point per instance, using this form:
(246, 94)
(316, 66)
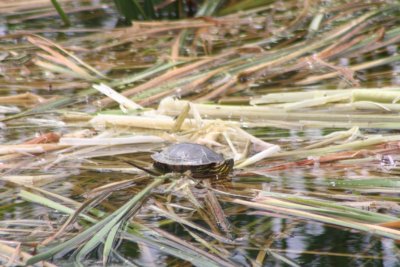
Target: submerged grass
(295, 211)
(98, 231)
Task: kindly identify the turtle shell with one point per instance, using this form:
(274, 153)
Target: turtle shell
(200, 160)
(187, 154)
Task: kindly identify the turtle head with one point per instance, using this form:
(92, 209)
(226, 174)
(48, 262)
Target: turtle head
(227, 166)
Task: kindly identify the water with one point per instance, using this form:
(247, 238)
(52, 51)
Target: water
(284, 238)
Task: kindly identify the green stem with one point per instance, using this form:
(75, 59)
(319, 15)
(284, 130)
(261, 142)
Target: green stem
(61, 12)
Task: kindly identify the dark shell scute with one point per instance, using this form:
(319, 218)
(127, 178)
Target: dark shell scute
(187, 154)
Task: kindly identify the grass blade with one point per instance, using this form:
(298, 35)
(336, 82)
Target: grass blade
(108, 245)
(61, 12)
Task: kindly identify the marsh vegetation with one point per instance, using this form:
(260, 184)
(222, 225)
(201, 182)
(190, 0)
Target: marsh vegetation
(303, 95)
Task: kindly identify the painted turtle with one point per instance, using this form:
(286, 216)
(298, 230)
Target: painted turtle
(200, 160)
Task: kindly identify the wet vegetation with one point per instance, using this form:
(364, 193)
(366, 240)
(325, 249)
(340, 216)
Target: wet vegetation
(303, 95)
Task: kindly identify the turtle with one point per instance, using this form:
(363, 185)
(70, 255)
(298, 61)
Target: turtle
(200, 160)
